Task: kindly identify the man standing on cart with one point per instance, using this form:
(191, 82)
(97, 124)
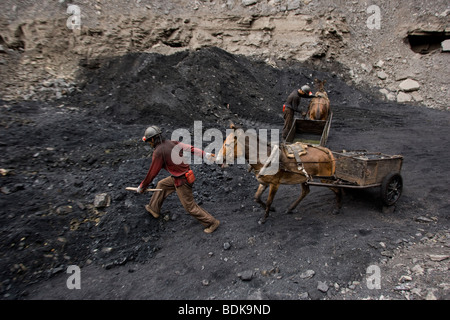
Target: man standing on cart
(292, 105)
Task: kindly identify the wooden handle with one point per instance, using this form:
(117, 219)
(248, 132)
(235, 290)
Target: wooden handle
(146, 190)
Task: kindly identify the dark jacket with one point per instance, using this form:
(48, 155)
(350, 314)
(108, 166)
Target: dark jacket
(293, 100)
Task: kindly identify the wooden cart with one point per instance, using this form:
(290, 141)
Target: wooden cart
(313, 132)
(362, 169)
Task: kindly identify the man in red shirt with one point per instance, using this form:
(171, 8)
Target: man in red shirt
(168, 155)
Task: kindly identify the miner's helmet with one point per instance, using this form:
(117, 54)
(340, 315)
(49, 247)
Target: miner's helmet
(151, 132)
(306, 89)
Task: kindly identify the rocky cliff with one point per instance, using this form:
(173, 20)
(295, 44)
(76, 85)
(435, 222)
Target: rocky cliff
(45, 44)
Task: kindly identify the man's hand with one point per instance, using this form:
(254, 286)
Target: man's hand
(140, 190)
(210, 157)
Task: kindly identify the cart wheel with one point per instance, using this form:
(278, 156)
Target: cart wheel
(391, 188)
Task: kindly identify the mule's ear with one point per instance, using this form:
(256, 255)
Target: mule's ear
(324, 81)
(232, 126)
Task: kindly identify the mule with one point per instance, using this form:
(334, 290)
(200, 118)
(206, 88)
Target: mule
(284, 169)
(319, 106)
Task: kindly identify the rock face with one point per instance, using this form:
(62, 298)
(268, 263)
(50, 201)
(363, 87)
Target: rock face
(41, 43)
(50, 50)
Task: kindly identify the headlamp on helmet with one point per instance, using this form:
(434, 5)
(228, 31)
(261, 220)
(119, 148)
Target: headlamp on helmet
(306, 89)
(151, 132)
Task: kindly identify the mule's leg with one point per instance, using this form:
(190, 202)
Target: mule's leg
(338, 193)
(259, 192)
(272, 191)
(305, 191)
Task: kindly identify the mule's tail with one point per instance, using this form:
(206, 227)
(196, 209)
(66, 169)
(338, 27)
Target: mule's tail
(318, 109)
(333, 162)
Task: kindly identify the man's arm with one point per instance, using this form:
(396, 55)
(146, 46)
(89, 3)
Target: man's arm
(196, 151)
(305, 94)
(155, 167)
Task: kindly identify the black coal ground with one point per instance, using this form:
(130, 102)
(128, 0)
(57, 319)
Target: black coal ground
(59, 155)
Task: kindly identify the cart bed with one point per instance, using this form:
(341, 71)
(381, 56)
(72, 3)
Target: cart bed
(366, 168)
(313, 132)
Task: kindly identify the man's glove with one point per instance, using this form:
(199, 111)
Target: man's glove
(140, 190)
(210, 157)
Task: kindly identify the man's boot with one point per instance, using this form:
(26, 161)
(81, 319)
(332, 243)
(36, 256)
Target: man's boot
(212, 227)
(153, 213)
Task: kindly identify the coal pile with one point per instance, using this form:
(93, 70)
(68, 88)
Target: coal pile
(211, 85)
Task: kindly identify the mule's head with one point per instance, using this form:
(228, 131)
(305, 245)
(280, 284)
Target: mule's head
(321, 94)
(320, 85)
(230, 150)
